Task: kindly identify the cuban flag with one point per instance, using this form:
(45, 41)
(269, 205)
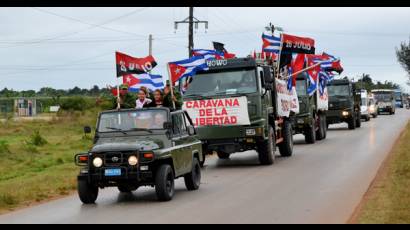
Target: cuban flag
(271, 44)
(313, 74)
(186, 68)
(324, 78)
(208, 54)
(151, 82)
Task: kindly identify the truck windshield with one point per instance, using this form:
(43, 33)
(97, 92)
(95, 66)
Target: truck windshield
(223, 83)
(339, 90)
(132, 121)
(398, 96)
(301, 87)
(383, 97)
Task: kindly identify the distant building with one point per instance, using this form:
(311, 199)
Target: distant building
(25, 107)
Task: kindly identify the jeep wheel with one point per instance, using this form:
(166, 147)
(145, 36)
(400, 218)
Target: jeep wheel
(320, 133)
(223, 155)
(164, 183)
(266, 149)
(310, 133)
(193, 179)
(352, 123)
(88, 193)
(286, 147)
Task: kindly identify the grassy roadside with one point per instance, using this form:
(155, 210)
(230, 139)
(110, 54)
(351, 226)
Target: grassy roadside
(388, 200)
(37, 158)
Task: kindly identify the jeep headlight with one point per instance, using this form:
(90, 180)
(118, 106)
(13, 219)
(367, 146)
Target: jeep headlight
(97, 162)
(132, 160)
(345, 113)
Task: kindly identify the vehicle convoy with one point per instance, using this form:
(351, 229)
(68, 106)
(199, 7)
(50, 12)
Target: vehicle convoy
(373, 107)
(140, 147)
(239, 105)
(399, 98)
(311, 119)
(344, 104)
(364, 105)
(386, 100)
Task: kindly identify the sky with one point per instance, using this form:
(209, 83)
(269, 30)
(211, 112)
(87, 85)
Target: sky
(67, 47)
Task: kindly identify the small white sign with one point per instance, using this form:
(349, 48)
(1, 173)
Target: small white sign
(54, 109)
(287, 100)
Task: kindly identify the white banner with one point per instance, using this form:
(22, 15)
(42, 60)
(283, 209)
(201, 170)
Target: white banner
(218, 112)
(323, 100)
(287, 101)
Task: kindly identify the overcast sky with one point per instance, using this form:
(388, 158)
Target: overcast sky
(67, 47)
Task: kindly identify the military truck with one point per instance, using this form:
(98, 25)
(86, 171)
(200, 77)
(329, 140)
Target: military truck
(386, 100)
(344, 104)
(140, 147)
(236, 106)
(311, 119)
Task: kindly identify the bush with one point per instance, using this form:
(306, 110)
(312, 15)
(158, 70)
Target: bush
(75, 104)
(37, 140)
(4, 146)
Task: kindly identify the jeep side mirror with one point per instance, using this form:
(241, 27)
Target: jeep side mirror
(191, 130)
(167, 125)
(87, 129)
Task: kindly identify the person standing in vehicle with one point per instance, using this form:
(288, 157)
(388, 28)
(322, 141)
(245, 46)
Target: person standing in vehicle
(168, 99)
(142, 99)
(158, 100)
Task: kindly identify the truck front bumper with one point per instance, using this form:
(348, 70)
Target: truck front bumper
(338, 116)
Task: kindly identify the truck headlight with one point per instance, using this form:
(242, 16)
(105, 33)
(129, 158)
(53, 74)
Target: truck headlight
(132, 160)
(345, 113)
(97, 162)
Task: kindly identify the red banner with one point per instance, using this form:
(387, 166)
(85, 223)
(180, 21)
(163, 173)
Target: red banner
(131, 65)
(294, 44)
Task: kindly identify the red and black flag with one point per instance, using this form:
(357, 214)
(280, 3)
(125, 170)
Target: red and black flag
(293, 44)
(131, 65)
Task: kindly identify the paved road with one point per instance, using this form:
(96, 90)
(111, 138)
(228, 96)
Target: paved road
(321, 183)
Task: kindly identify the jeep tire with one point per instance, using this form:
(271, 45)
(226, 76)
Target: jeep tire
(88, 193)
(193, 179)
(286, 147)
(164, 183)
(266, 149)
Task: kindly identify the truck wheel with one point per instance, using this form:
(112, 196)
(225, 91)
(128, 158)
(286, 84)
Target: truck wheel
(310, 133)
(368, 118)
(193, 179)
(88, 193)
(320, 133)
(266, 149)
(223, 155)
(164, 183)
(358, 122)
(352, 123)
(286, 147)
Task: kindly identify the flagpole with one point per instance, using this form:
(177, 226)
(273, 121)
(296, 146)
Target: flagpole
(171, 86)
(118, 95)
(305, 69)
(280, 52)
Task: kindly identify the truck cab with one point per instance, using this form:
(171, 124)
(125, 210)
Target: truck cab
(140, 147)
(344, 104)
(386, 99)
(311, 119)
(233, 107)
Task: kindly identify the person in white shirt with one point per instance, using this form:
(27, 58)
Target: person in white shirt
(142, 99)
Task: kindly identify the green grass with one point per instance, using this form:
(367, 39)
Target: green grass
(389, 198)
(37, 158)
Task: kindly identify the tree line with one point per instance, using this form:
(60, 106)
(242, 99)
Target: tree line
(95, 91)
(366, 82)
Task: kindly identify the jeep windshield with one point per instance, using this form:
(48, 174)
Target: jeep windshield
(339, 90)
(223, 83)
(124, 121)
(383, 97)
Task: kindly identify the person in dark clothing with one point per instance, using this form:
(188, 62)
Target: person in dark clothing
(158, 100)
(127, 99)
(168, 99)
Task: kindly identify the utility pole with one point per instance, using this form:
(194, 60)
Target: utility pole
(150, 44)
(191, 21)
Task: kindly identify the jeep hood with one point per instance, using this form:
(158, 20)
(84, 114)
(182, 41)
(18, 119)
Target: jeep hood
(110, 144)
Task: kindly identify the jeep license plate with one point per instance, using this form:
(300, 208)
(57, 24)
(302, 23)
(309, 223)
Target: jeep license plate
(113, 172)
